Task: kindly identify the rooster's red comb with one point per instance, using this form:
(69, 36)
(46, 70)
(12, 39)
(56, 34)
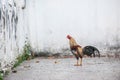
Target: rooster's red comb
(68, 36)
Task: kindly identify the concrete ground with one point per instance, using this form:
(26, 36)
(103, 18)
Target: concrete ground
(64, 69)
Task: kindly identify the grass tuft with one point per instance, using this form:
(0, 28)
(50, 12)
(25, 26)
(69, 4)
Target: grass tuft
(1, 76)
(25, 56)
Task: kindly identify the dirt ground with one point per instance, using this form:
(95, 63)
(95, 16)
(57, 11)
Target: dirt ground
(64, 69)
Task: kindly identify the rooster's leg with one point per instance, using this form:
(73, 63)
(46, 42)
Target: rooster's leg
(76, 56)
(77, 64)
(80, 55)
(80, 61)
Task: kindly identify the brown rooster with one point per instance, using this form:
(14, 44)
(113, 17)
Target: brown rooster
(76, 50)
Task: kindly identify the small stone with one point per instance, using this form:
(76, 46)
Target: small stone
(14, 71)
(37, 61)
(27, 66)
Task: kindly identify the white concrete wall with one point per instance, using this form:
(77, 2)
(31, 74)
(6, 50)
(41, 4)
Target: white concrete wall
(90, 22)
(13, 31)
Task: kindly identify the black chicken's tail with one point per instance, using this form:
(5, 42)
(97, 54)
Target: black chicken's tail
(96, 50)
(89, 50)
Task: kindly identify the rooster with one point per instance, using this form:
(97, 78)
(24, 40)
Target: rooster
(76, 50)
(79, 52)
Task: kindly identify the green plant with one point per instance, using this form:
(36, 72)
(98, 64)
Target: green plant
(1, 77)
(25, 56)
(27, 49)
(20, 59)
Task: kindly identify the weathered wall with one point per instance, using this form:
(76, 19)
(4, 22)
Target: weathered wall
(90, 22)
(12, 31)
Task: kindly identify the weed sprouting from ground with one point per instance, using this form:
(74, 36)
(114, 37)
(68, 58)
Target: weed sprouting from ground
(1, 76)
(20, 59)
(25, 56)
